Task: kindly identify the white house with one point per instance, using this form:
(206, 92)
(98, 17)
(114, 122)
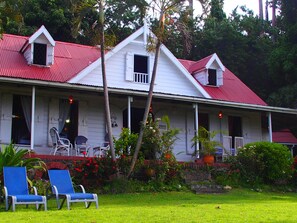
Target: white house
(46, 83)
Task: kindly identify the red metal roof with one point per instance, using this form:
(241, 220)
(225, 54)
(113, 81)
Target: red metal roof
(69, 60)
(284, 136)
(233, 89)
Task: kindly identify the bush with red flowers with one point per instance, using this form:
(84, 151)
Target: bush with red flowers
(91, 172)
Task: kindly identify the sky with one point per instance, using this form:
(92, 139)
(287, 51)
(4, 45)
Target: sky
(229, 5)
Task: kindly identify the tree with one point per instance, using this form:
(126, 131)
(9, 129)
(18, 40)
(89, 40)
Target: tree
(164, 7)
(283, 59)
(106, 95)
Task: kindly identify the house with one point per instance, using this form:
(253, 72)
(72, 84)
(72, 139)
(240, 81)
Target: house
(285, 137)
(46, 83)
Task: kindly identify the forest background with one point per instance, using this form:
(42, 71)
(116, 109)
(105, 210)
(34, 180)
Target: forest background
(262, 52)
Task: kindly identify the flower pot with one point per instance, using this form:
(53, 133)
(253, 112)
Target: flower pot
(150, 172)
(208, 159)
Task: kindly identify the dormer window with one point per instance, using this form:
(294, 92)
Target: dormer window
(212, 77)
(39, 48)
(209, 71)
(39, 54)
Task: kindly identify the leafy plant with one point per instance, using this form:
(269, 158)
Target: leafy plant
(125, 144)
(206, 139)
(264, 162)
(169, 136)
(9, 156)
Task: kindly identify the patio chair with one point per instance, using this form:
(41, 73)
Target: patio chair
(60, 145)
(62, 187)
(101, 151)
(81, 146)
(16, 189)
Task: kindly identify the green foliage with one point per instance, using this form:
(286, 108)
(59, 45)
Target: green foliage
(92, 172)
(122, 185)
(151, 142)
(206, 138)
(126, 143)
(9, 156)
(41, 185)
(263, 162)
(156, 142)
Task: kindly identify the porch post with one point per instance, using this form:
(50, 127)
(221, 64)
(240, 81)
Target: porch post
(32, 119)
(130, 100)
(270, 126)
(195, 106)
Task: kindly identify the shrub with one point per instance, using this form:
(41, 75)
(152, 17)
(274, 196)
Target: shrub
(264, 162)
(92, 172)
(126, 143)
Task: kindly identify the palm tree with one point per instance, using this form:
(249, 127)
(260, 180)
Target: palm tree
(105, 88)
(163, 7)
(261, 9)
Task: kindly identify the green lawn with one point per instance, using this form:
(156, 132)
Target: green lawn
(235, 206)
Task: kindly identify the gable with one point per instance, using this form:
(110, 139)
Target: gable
(172, 77)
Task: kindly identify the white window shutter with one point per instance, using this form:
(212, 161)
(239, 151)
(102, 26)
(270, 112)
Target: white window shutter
(83, 118)
(219, 77)
(6, 117)
(129, 66)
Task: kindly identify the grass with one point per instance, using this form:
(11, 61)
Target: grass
(235, 206)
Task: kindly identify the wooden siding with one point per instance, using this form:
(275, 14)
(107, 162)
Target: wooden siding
(169, 79)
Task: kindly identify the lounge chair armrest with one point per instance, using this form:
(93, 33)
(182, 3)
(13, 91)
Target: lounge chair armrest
(55, 190)
(34, 190)
(5, 191)
(81, 187)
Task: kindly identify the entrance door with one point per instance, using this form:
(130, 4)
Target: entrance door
(70, 128)
(21, 120)
(136, 119)
(235, 128)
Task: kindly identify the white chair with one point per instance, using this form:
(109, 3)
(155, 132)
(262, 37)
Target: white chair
(80, 145)
(60, 145)
(227, 142)
(101, 151)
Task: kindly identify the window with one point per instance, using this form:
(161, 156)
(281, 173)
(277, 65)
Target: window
(39, 54)
(141, 69)
(212, 77)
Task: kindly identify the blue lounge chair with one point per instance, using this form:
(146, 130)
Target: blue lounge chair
(62, 187)
(17, 191)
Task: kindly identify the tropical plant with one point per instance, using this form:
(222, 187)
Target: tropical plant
(10, 156)
(264, 162)
(125, 144)
(206, 139)
(169, 136)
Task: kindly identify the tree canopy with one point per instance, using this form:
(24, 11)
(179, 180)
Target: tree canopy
(262, 53)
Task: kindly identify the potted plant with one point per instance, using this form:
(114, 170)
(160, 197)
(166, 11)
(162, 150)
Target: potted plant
(207, 143)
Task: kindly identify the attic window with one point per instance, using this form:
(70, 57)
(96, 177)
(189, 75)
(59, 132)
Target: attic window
(212, 77)
(140, 69)
(39, 54)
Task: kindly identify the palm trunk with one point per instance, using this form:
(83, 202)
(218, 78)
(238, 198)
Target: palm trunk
(273, 13)
(147, 108)
(261, 10)
(105, 89)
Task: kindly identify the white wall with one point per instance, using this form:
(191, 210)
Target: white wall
(169, 78)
